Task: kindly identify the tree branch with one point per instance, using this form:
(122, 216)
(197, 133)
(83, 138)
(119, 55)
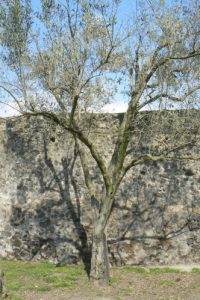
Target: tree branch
(14, 98)
(189, 55)
(72, 33)
(81, 136)
(148, 157)
(74, 106)
(88, 180)
(169, 97)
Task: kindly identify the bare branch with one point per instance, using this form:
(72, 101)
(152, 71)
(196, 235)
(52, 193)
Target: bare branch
(187, 56)
(148, 157)
(81, 136)
(14, 98)
(72, 32)
(169, 97)
(7, 104)
(157, 50)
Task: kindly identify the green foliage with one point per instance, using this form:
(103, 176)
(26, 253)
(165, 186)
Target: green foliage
(16, 24)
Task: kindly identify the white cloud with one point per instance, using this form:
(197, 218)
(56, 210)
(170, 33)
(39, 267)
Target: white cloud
(116, 107)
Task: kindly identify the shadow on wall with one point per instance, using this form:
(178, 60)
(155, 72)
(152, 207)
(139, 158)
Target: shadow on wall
(155, 219)
(46, 212)
(159, 219)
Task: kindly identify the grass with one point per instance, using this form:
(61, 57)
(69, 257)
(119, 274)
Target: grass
(163, 270)
(195, 270)
(166, 283)
(150, 271)
(114, 281)
(34, 277)
(135, 269)
(17, 298)
(41, 277)
(127, 291)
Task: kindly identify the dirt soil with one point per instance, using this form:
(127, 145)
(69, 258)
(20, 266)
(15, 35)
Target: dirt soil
(130, 286)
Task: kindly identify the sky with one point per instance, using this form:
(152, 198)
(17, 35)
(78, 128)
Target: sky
(118, 106)
(127, 7)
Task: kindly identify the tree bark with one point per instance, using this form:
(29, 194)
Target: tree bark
(99, 273)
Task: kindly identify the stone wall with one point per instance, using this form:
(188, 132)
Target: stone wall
(45, 207)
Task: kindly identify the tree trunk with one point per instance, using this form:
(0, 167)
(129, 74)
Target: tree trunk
(99, 273)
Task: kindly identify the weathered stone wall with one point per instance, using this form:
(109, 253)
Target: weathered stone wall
(45, 207)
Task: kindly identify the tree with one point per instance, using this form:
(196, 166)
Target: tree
(61, 59)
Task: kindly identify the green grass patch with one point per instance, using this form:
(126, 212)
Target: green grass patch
(26, 276)
(16, 298)
(135, 269)
(196, 270)
(23, 277)
(162, 270)
(127, 291)
(147, 271)
(166, 283)
(114, 281)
